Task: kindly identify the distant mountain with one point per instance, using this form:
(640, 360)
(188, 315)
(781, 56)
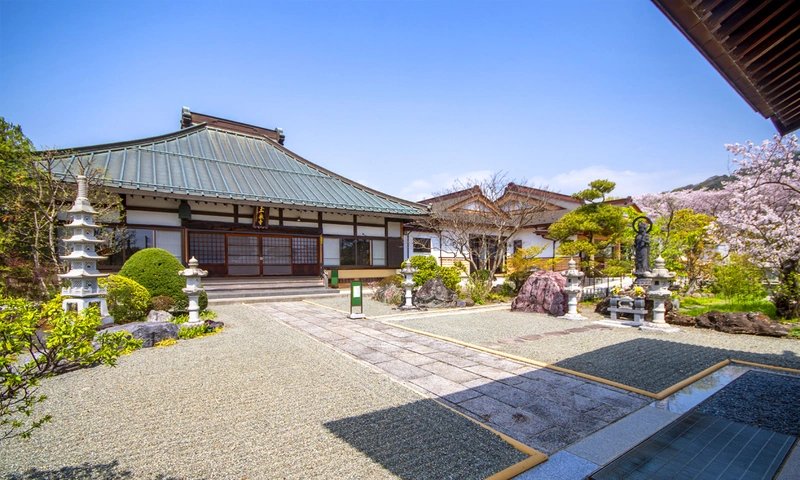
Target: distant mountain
(711, 183)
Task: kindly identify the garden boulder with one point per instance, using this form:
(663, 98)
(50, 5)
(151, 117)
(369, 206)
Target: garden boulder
(149, 333)
(542, 292)
(159, 316)
(751, 323)
(433, 294)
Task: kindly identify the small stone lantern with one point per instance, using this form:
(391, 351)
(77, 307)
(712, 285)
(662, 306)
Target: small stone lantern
(659, 292)
(573, 289)
(193, 288)
(408, 272)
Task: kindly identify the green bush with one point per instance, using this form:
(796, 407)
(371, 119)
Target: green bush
(157, 271)
(451, 276)
(185, 333)
(72, 342)
(739, 279)
(127, 300)
(427, 268)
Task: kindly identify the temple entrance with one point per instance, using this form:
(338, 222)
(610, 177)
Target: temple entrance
(252, 255)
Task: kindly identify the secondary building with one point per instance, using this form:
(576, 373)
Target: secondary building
(233, 196)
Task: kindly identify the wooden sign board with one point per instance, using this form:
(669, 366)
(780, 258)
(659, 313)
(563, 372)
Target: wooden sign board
(261, 217)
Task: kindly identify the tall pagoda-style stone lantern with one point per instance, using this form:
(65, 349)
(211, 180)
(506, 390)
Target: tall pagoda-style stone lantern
(573, 289)
(193, 288)
(83, 275)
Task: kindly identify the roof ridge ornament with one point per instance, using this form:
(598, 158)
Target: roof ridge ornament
(186, 117)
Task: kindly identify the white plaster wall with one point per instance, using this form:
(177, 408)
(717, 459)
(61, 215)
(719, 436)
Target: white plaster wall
(370, 231)
(370, 219)
(299, 224)
(210, 218)
(302, 214)
(158, 202)
(395, 229)
(329, 229)
(337, 217)
(530, 239)
(153, 218)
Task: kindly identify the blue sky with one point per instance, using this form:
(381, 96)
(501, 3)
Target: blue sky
(403, 96)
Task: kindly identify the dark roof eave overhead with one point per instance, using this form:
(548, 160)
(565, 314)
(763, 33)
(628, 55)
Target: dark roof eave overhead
(753, 44)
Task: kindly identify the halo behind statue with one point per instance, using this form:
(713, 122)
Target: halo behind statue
(642, 218)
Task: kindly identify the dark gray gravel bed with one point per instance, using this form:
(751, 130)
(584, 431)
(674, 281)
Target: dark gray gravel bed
(760, 399)
(646, 360)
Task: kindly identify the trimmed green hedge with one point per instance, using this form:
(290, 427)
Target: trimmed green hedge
(127, 300)
(157, 271)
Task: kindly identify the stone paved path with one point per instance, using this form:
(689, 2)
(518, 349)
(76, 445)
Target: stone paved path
(541, 408)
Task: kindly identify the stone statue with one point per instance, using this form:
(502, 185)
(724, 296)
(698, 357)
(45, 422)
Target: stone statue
(641, 245)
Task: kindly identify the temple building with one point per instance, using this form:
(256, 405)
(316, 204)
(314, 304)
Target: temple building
(231, 195)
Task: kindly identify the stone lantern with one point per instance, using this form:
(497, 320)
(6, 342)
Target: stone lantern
(659, 292)
(573, 289)
(84, 289)
(193, 288)
(408, 273)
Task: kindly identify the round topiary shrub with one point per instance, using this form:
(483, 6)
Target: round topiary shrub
(127, 300)
(157, 271)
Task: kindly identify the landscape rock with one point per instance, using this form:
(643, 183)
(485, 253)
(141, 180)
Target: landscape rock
(542, 292)
(675, 318)
(211, 324)
(461, 303)
(149, 333)
(159, 316)
(751, 323)
(433, 294)
(602, 306)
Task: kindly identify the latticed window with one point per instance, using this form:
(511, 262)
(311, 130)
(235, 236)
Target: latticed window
(304, 250)
(277, 250)
(207, 247)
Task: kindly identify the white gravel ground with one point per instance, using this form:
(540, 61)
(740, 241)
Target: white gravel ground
(258, 400)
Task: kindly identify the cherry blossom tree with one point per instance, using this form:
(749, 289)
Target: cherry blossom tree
(664, 205)
(762, 218)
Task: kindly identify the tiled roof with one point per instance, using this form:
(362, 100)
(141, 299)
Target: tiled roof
(202, 161)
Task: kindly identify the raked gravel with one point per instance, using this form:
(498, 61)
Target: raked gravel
(258, 400)
(651, 361)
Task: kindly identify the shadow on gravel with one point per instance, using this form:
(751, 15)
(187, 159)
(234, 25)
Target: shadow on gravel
(654, 365)
(85, 471)
(424, 440)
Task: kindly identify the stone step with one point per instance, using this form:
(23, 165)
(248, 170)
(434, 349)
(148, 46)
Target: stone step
(270, 298)
(296, 292)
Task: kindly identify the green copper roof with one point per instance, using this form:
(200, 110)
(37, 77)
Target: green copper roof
(207, 162)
